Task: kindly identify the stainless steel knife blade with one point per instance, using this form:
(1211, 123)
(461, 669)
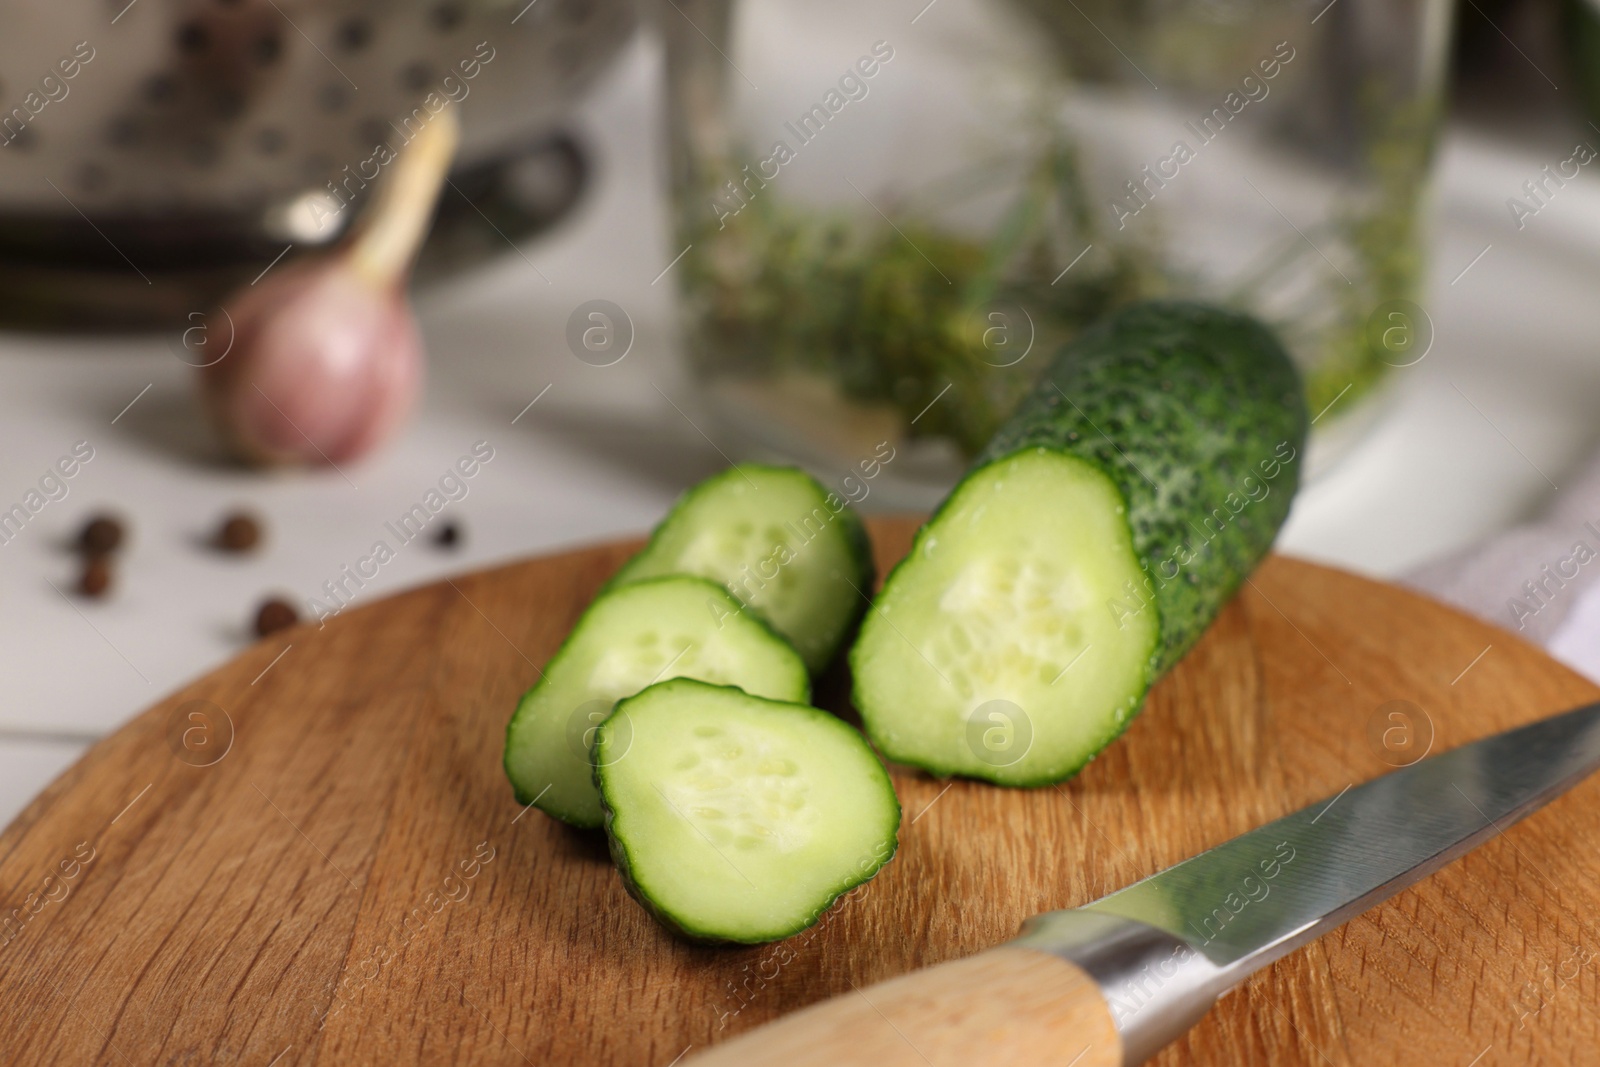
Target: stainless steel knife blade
(1200, 927)
(1294, 879)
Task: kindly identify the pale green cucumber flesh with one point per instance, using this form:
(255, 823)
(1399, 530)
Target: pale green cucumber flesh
(629, 638)
(1198, 416)
(1007, 646)
(738, 819)
(779, 542)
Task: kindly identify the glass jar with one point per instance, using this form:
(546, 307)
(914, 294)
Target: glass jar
(895, 213)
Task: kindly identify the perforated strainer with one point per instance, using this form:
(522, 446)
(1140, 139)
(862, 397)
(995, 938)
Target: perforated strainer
(153, 148)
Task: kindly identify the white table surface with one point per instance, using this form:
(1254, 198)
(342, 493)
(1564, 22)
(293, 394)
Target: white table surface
(603, 452)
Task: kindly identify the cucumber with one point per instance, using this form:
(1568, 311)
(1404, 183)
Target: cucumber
(627, 639)
(779, 542)
(1094, 540)
(738, 819)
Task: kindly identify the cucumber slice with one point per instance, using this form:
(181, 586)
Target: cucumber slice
(734, 818)
(1100, 532)
(628, 638)
(779, 542)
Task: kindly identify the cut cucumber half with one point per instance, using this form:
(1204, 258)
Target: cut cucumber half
(779, 542)
(734, 818)
(1099, 534)
(629, 638)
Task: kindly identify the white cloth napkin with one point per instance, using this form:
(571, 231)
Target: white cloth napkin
(1540, 580)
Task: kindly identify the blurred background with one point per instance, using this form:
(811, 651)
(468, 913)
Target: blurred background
(669, 235)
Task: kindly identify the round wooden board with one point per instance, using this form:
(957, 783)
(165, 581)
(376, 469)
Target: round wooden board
(307, 895)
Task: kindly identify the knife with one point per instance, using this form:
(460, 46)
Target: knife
(1113, 982)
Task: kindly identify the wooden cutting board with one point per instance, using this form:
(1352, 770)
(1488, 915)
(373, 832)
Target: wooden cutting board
(326, 865)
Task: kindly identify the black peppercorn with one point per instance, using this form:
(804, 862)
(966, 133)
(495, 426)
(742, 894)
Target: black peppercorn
(275, 614)
(96, 578)
(239, 532)
(100, 536)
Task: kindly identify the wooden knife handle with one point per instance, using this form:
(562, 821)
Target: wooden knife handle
(1007, 1007)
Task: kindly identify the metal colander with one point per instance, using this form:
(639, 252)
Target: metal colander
(170, 144)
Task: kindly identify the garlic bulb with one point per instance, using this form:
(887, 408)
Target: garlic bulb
(327, 359)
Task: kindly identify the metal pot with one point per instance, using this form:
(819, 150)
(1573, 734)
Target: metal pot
(154, 153)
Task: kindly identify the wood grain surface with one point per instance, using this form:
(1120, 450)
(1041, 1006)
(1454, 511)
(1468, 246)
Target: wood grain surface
(311, 856)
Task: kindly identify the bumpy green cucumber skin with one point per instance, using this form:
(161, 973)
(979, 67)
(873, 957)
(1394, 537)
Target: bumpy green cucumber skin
(850, 525)
(1178, 404)
(675, 924)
